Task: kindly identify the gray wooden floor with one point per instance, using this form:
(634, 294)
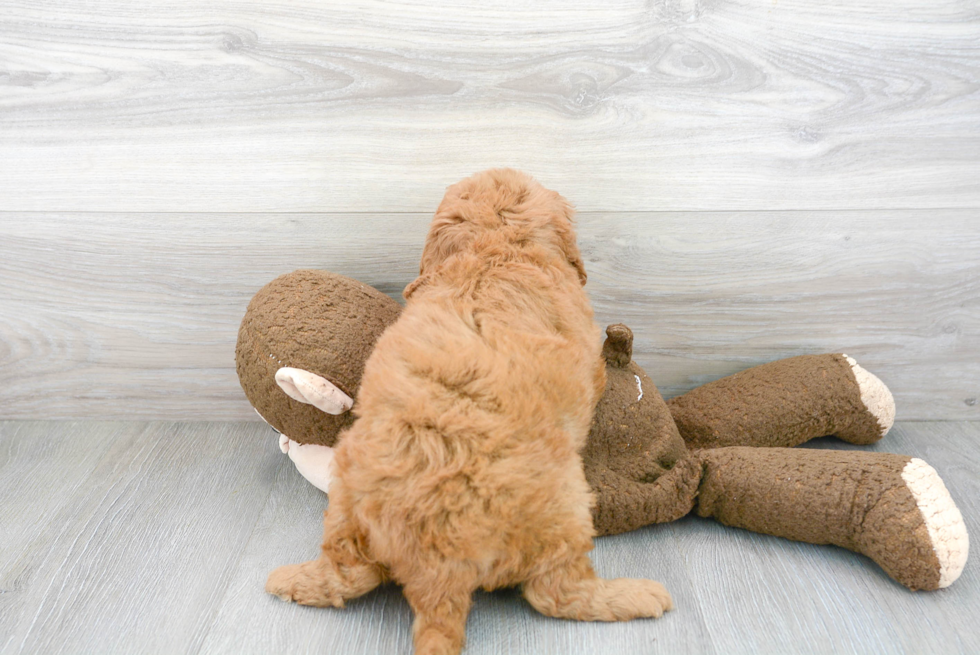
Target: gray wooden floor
(755, 178)
(136, 537)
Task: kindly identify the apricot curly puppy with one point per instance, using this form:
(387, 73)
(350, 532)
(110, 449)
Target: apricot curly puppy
(462, 469)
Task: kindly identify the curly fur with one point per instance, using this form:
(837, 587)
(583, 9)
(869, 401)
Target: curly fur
(462, 469)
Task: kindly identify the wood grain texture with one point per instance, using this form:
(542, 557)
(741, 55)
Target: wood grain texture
(171, 105)
(157, 537)
(136, 315)
(135, 556)
(42, 471)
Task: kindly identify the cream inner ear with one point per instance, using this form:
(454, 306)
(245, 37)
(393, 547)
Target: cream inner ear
(314, 390)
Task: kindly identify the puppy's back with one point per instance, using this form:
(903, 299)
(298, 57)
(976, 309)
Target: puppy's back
(470, 414)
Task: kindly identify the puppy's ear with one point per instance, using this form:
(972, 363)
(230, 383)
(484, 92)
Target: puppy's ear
(566, 238)
(449, 233)
(575, 259)
(420, 281)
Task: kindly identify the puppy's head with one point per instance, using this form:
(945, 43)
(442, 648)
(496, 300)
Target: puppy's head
(508, 203)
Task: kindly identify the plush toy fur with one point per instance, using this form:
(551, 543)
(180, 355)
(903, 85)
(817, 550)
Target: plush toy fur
(721, 450)
(892, 508)
(309, 321)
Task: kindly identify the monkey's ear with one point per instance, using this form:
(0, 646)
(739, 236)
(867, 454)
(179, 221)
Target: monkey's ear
(311, 389)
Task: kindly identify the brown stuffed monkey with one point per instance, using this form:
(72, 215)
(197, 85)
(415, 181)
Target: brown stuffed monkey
(722, 450)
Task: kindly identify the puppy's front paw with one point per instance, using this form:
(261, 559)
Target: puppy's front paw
(306, 584)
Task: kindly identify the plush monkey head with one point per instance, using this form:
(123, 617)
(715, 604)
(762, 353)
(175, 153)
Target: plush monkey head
(302, 347)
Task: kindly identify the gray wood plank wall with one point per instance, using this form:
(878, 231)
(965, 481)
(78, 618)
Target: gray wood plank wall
(755, 179)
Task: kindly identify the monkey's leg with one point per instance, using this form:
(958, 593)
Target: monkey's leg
(892, 508)
(785, 403)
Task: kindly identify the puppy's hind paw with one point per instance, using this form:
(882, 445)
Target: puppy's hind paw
(634, 599)
(658, 599)
(303, 583)
(595, 599)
